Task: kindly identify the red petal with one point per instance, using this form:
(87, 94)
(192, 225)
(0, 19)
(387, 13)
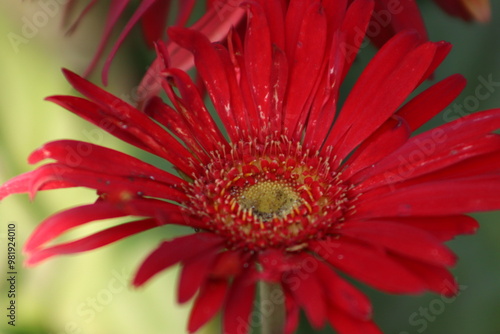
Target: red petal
(324, 103)
(239, 303)
(390, 18)
(55, 225)
(447, 197)
(141, 9)
(368, 264)
(377, 94)
(215, 23)
(340, 294)
(275, 11)
(430, 102)
(389, 137)
(23, 184)
(100, 159)
(412, 159)
(173, 121)
(402, 239)
(444, 228)
(47, 175)
(59, 223)
(442, 50)
(258, 61)
(126, 123)
(207, 304)
(305, 62)
(462, 161)
(195, 112)
(211, 68)
(309, 294)
(438, 279)
(93, 241)
(173, 251)
(345, 324)
(194, 273)
(483, 164)
(292, 313)
(154, 21)
(227, 264)
(279, 81)
(116, 9)
(354, 26)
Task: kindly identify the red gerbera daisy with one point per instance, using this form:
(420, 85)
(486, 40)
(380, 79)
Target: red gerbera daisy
(298, 191)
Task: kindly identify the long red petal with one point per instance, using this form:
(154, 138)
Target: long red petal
(368, 264)
(411, 159)
(389, 137)
(97, 158)
(57, 224)
(447, 197)
(437, 278)
(194, 272)
(342, 295)
(305, 66)
(376, 96)
(116, 9)
(354, 26)
(345, 324)
(309, 292)
(402, 239)
(139, 12)
(239, 303)
(144, 133)
(443, 228)
(93, 241)
(427, 104)
(173, 251)
(212, 71)
(207, 304)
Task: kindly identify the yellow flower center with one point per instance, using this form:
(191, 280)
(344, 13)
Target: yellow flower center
(269, 199)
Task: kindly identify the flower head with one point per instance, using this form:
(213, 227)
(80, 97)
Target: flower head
(296, 189)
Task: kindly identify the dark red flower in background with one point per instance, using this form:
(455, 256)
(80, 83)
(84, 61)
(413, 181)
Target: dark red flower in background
(152, 16)
(296, 189)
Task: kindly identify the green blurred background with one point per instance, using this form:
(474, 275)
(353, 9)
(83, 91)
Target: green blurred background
(90, 293)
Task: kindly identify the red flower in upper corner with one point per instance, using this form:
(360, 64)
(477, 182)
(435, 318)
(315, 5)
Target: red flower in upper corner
(299, 189)
(152, 15)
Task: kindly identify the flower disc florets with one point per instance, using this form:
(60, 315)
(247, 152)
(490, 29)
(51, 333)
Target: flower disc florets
(270, 195)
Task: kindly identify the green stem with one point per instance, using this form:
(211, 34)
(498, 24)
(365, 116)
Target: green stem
(272, 308)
